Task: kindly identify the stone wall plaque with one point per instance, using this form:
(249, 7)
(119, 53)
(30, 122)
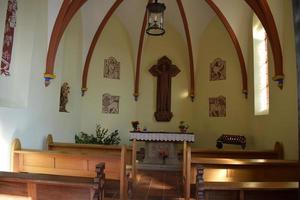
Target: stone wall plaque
(111, 68)
(217, 106)
(217, 70)
(110, 104)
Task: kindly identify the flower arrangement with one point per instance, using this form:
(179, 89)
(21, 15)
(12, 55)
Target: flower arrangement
(163, 154)
(183, 126)
(135, 125)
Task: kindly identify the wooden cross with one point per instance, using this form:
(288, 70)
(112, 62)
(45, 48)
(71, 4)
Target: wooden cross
(164, 70)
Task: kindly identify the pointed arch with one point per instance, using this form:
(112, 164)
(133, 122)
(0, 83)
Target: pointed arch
(139, 57)
(94, 42)
(235, 42)
(263, 12)
(190, 49)
(67, 11)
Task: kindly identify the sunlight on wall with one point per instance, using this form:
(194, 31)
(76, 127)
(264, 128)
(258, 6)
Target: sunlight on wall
(261, 79)
(184, 94)
(4, 152)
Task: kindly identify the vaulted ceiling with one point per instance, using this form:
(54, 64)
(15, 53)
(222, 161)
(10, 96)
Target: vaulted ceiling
(189, 17)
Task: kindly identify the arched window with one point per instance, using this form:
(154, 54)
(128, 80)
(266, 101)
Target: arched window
(261, 72)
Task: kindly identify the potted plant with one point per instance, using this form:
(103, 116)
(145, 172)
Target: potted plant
(183, 126)
(102, 136)
(135, 125)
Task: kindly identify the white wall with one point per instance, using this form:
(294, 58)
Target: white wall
(32, 123)
(16, 94)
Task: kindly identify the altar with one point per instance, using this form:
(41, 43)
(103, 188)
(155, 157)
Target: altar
(160, 147)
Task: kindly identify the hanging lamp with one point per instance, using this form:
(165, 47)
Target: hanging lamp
(155, 18)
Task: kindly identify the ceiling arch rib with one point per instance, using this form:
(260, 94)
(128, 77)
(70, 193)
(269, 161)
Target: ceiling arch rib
(235, 42)
(94, 42)
(190, 50)
(54, 7)
(139, 57)
(53, 40)
(66, 13)
(263, 11)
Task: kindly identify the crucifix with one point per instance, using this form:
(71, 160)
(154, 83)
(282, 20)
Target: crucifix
(164, 70)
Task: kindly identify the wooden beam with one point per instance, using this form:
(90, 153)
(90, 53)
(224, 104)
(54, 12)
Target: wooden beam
(94, 42)
(263, 12)
(190, 49)
(235, 42)
(66, 13)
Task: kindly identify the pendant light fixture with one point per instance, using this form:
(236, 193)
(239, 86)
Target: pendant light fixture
(155, 18)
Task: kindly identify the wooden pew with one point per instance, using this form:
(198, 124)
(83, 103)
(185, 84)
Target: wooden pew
(41, 186)
(92, 149)
(71, 164)
(239, 170)
(243, 190)
(275, 153)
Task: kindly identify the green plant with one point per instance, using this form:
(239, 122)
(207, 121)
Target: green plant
(102, 137)
(183, 125)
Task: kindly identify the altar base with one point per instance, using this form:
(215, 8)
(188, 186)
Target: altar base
(153, 153)
(159, 167)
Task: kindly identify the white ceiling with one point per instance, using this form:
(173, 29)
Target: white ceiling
(198, 13)
(131, 14)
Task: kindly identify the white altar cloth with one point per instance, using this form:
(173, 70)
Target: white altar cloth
(162, 136)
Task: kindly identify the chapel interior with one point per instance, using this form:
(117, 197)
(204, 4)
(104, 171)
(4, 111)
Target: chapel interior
(206, 109)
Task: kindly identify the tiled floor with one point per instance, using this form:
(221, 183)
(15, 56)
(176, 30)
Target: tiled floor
(156, 185)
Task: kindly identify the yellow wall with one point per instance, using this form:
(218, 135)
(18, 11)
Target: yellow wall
(261, 131)
(216, 43)
(173, 46)
(114, 41)
(39, 113)
(281, 123)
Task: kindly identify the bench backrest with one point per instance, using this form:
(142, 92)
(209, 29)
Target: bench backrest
(243, 190)
(70, 163)
(42, 186)
(276, 153)
(237, 170)
(90, 149)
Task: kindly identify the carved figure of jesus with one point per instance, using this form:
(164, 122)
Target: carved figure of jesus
(164, 70)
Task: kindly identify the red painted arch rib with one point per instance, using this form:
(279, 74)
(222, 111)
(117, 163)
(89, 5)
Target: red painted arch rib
(94, 42)
(235, 42)
(66, 13)
(55, 32)
(263, 12)
(190, 50)
(139, 57)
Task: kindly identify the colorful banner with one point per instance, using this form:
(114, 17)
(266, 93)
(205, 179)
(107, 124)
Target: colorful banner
(8, 39)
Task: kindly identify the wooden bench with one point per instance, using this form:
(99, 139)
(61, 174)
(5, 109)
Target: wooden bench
(275, 153)
(239, 170)
(41, 186)
(92, 149)
(80, 164)
(243, 190)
